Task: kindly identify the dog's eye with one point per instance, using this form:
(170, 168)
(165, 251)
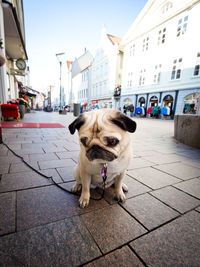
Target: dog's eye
(84, 141)
(111, 141)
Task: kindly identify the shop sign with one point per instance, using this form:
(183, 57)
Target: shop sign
(154, 98)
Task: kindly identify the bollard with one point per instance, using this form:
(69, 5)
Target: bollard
(76, 110)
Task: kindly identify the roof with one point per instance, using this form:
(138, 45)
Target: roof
(114, 39)
(69, 63)
(81, 63)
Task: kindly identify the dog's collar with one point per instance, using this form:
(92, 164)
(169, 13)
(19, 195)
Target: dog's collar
(104, 172)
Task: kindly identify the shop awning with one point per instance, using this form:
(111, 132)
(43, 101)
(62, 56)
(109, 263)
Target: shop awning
(14, 39)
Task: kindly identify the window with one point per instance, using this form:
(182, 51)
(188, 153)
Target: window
(145, 45)
(129, 80)
(176, 69)
(142, 77)
(161, 36)
(132, 50)
(166, 7)
(157, 73)
(182, 26)
(197, 66)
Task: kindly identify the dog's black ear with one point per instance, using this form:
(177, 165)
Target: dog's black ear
(76, 124)
(124, 122)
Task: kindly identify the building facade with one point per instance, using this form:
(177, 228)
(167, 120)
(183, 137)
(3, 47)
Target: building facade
(80, 79)
(13, 49)
(162, 58)
(106, 68)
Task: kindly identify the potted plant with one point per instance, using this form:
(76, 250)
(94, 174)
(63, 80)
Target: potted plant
(2, 58)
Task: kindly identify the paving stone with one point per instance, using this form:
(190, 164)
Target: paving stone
(21, 180)
(112, 227)
(68, 155)
(4, 168)
(56, 163)
(43, 156)
(7, 211)
(153, 178)
(66, 173)
(11, 159)
(146, 153)
(198, 209)
(174, 244)
(134, 188)
(15, 146)
(63, 243)
(192, 162)
(161, 159)
(72, 147)
(122, 257)
(149, 211)
(42, 205)
(191, 187)
(139, 163)
(53, 173)
(48, 149)
(29, 151)
(179, 170)
(176, 199)
(21, 167)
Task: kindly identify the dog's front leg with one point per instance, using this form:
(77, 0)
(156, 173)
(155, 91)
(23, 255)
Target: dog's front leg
(119, 194)
(85, 193)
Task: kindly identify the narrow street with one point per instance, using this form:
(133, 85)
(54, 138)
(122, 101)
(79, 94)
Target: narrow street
(41, 225)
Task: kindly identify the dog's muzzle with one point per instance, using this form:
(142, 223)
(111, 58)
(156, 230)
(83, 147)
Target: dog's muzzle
(97, 152)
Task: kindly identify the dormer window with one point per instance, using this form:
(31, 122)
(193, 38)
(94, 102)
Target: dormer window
(166, 7)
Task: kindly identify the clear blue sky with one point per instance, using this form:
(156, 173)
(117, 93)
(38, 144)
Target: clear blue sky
(69, 26)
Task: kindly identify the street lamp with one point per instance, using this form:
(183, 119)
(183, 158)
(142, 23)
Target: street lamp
(60, 62)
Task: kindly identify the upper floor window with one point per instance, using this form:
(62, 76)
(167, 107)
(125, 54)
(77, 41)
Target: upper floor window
(161, 36)
(182, 26)
(157, 73)
(132, 50)
(142, 77)
(176, 69)
(145, 45)
(130, 79)
(197, 66)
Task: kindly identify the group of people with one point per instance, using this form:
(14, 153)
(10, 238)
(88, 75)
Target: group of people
(129, 108)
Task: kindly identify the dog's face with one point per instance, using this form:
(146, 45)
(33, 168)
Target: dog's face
(103, 134)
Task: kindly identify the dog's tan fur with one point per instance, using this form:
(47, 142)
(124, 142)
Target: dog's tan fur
(95, 127)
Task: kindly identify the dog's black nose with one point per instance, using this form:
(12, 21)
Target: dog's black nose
(97, 152)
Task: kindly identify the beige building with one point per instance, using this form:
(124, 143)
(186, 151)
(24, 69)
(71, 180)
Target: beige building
(13, 49)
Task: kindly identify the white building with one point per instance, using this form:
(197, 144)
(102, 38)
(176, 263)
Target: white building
(106, 69)
(80, 82)
(13, 38)
(162, 57)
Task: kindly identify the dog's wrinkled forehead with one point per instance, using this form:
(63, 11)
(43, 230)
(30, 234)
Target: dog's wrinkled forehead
(99, 119)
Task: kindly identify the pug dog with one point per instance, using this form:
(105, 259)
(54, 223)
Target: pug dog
(104, 137)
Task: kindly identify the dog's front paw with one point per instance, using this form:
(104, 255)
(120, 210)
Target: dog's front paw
(76, 188)
(84, 201)
(120, 196)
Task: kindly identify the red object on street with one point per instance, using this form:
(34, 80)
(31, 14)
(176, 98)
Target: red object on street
(30, 125)
(10, 111)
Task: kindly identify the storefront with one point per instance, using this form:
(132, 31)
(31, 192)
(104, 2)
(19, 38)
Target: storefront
(153, 101)
(191, 104)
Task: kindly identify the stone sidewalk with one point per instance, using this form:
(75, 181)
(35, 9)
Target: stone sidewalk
(41, 225)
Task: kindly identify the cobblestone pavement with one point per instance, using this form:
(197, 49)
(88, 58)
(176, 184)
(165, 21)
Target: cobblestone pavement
(41, 225)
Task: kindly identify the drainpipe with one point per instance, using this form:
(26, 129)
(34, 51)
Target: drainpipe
(175, 104)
